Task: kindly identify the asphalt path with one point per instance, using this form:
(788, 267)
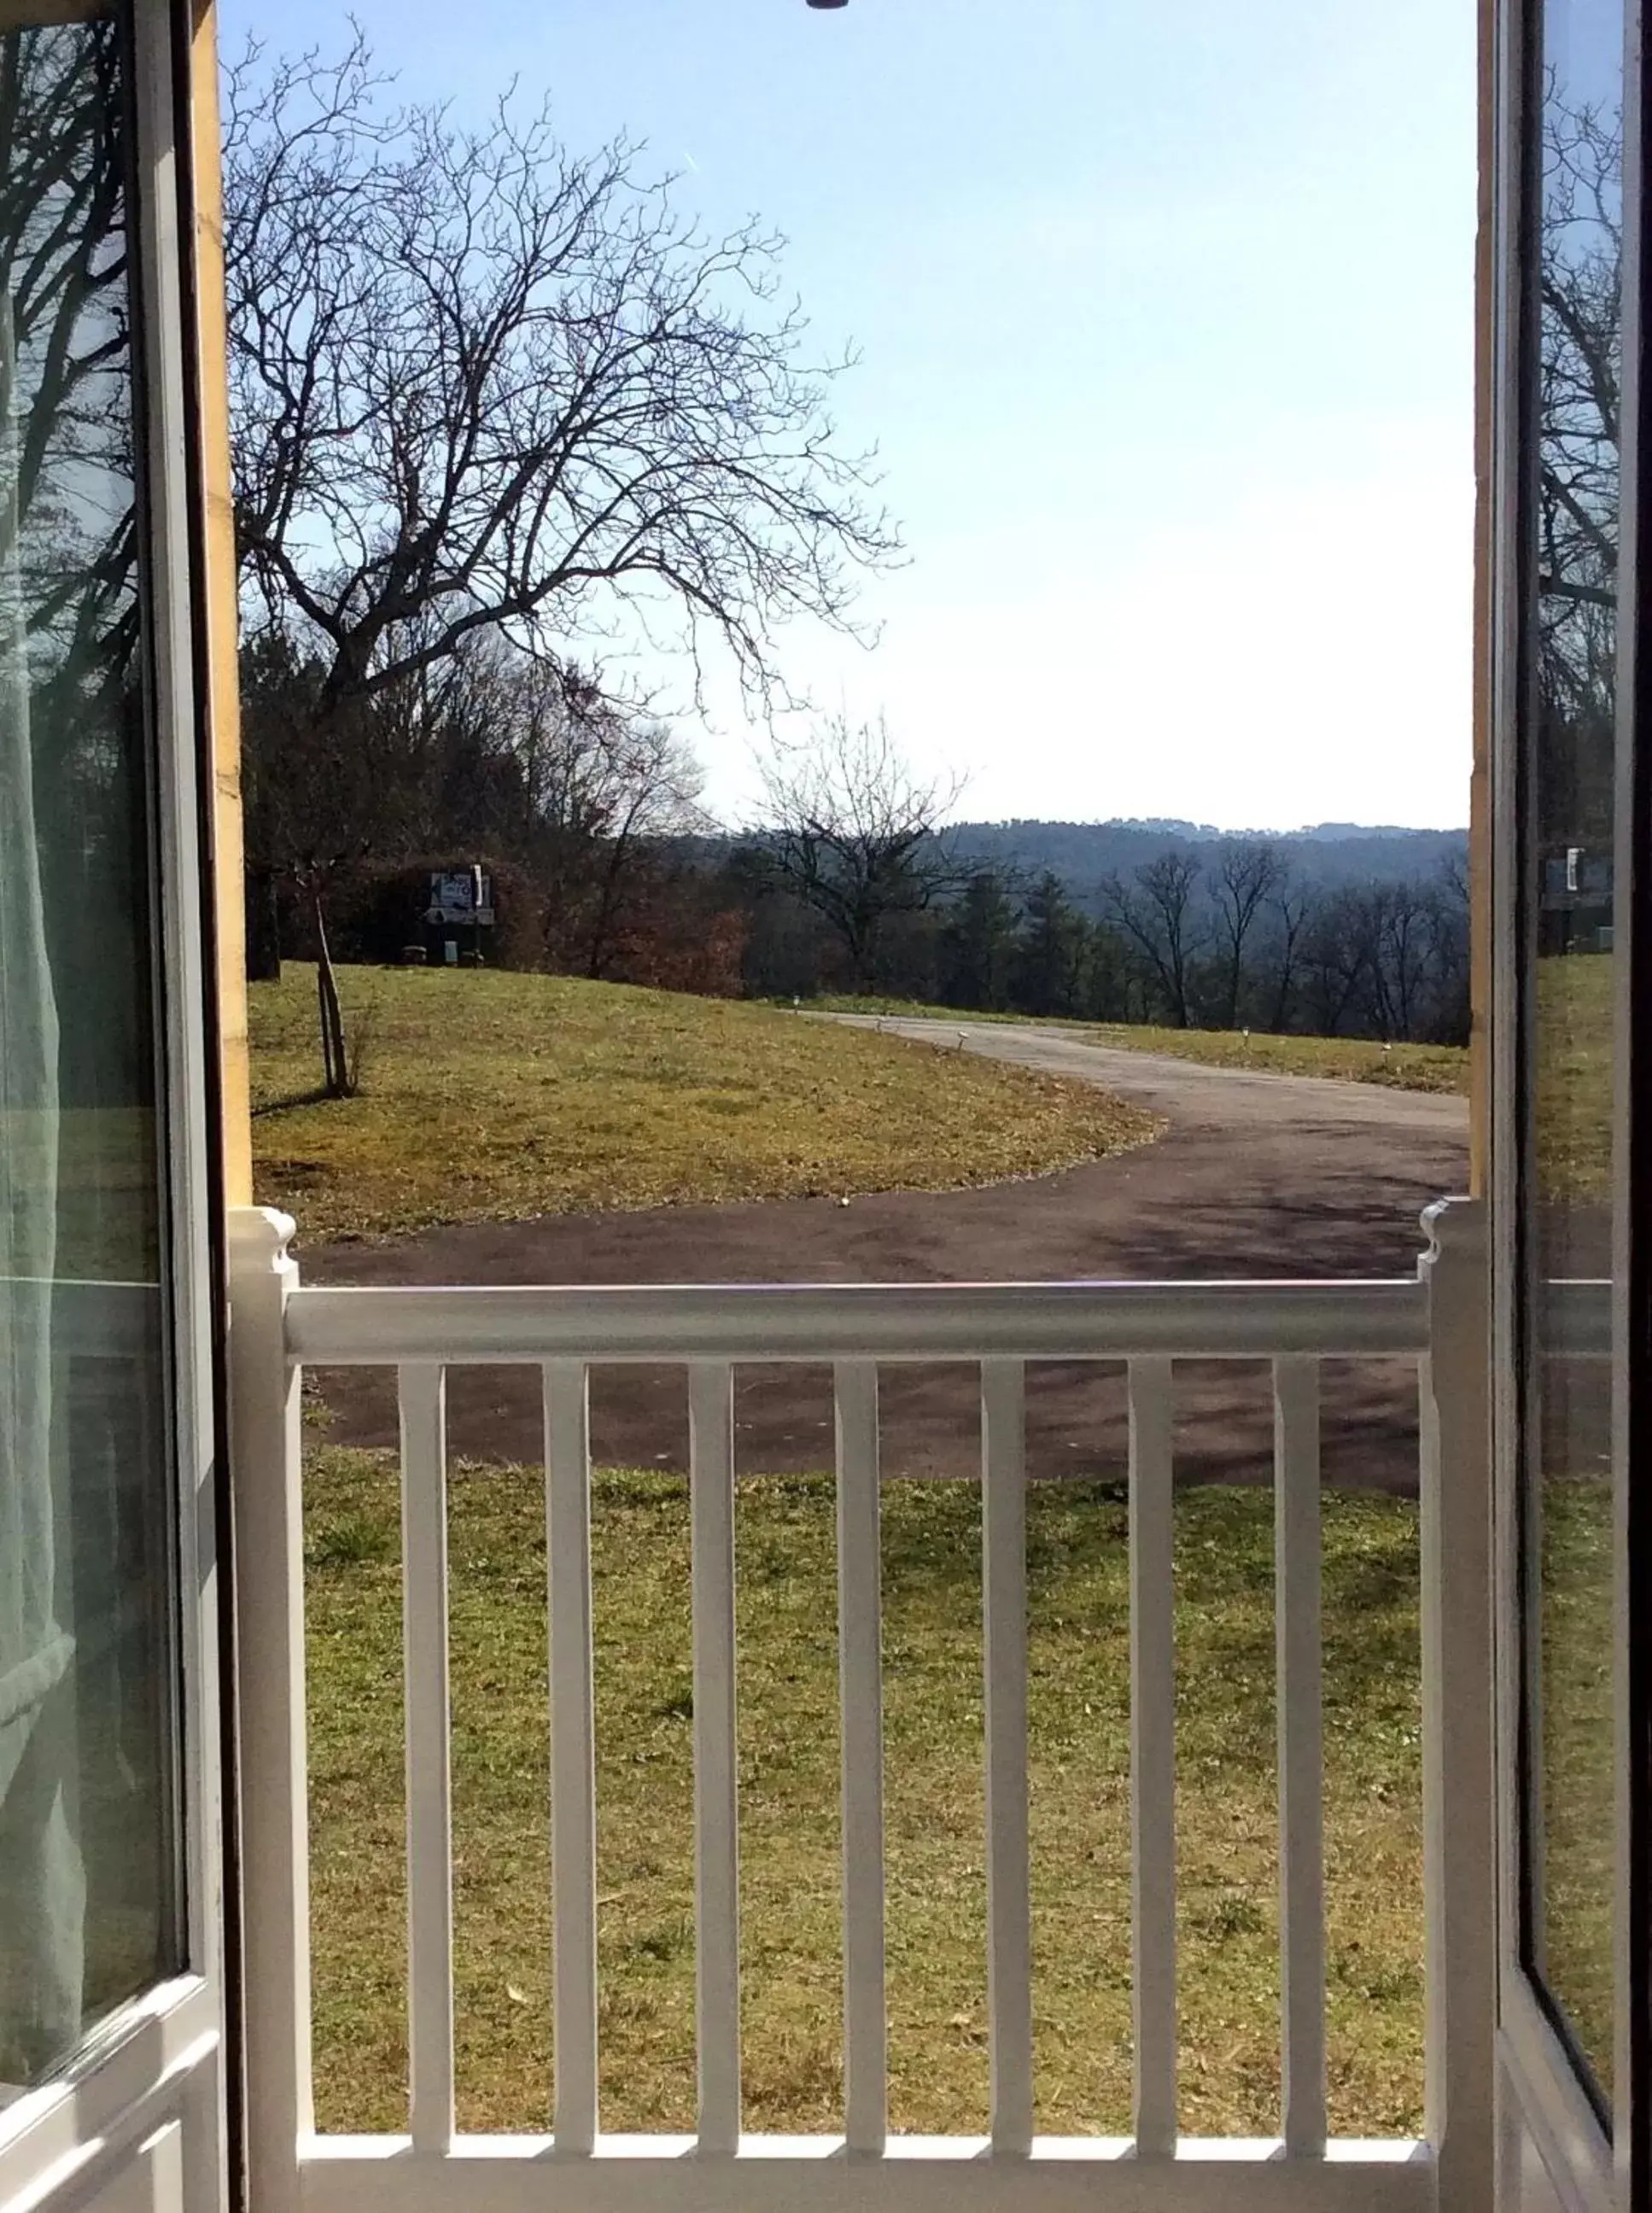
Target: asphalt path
(1255, 1175)
(1192, 1094)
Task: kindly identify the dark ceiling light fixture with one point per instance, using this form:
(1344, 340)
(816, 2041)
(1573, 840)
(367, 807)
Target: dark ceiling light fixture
(828, 3)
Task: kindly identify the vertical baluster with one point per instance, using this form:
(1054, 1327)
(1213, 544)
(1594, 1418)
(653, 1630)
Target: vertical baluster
(860, 1665)
(430, 1838)
(1008, 1907)
(266, 1470)
(716, 1836)
(1302, 1848)
(1153, 1752)
(573, 1754)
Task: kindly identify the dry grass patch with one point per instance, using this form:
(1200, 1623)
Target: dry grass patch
(490, 1097)
(790, 1839)
(1349, 1060)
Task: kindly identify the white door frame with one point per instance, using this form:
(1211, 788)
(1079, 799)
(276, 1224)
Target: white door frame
(145, 2098)
(1631, 1312)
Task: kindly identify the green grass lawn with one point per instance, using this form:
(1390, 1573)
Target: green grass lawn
(1572, 1131)
(1579, 1758)
(493, 1097)
(97, 1169)
(790, 1843)
(1358, 1060)
(1572, 1139)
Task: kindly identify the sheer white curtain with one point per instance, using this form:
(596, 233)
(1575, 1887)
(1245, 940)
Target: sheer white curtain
(42, 1881)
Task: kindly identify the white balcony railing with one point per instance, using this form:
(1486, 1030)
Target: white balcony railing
(1437, 1319)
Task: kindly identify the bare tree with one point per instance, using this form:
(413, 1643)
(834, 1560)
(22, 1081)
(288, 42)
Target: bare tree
(68, 531)
(1581, 365)
(1448, 928)
(1157, 910)
(1389, 958)
(1336, 945)
(652, 791)
(1394, 920)
(322, 788)
(1293, 912)
(482, 383)
(504, 751)
(851, 832)
(1248, 875)
(1579, 406)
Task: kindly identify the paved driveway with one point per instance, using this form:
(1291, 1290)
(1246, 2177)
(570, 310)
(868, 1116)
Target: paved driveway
(1256, 1175)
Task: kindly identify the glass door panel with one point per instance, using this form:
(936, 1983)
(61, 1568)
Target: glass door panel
(89, 1891)
(1566, 999)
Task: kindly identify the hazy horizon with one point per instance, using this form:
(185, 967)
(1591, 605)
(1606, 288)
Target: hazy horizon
(1174, 822)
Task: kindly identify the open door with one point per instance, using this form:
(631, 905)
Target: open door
(1572, 1096)
(111, 2036)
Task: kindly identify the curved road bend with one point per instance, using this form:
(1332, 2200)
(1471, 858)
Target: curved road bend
(1255, 1175)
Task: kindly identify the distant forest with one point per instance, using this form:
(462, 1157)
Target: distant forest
(586, 817)
(1330, 854)
(1336, 931)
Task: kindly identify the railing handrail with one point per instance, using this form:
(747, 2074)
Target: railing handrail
(89, 1319)
(1574, 1318)
(1435, 1320)
(467, 1325)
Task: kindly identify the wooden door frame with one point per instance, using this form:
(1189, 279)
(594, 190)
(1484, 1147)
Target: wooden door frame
(156, 2067)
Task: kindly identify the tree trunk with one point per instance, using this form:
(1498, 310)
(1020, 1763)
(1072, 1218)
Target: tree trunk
(335, 1060)
(861, 944)
(608, 908)
(1282, 995)
(263, 927)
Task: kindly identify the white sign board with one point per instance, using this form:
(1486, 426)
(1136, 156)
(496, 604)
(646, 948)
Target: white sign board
(452, 897)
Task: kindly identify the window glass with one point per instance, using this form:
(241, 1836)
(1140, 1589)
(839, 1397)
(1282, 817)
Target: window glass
(87, 1890)
(1569, 997)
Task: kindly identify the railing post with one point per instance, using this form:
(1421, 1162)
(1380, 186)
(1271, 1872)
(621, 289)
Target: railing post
(266, 1493)
(1459, 1776)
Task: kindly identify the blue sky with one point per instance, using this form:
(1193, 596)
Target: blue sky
(1164, 312)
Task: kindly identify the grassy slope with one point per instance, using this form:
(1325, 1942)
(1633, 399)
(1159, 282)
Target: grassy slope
(490, 1097)
(1359, 1060)
(1227, 1824)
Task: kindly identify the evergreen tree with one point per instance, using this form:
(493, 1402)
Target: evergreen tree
(979, 951)
(1051, 957)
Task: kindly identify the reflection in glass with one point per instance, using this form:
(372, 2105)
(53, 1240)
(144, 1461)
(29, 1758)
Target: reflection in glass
(87, 1893)
(1570, 994)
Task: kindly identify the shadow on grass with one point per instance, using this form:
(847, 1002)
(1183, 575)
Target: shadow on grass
(317, 1096)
